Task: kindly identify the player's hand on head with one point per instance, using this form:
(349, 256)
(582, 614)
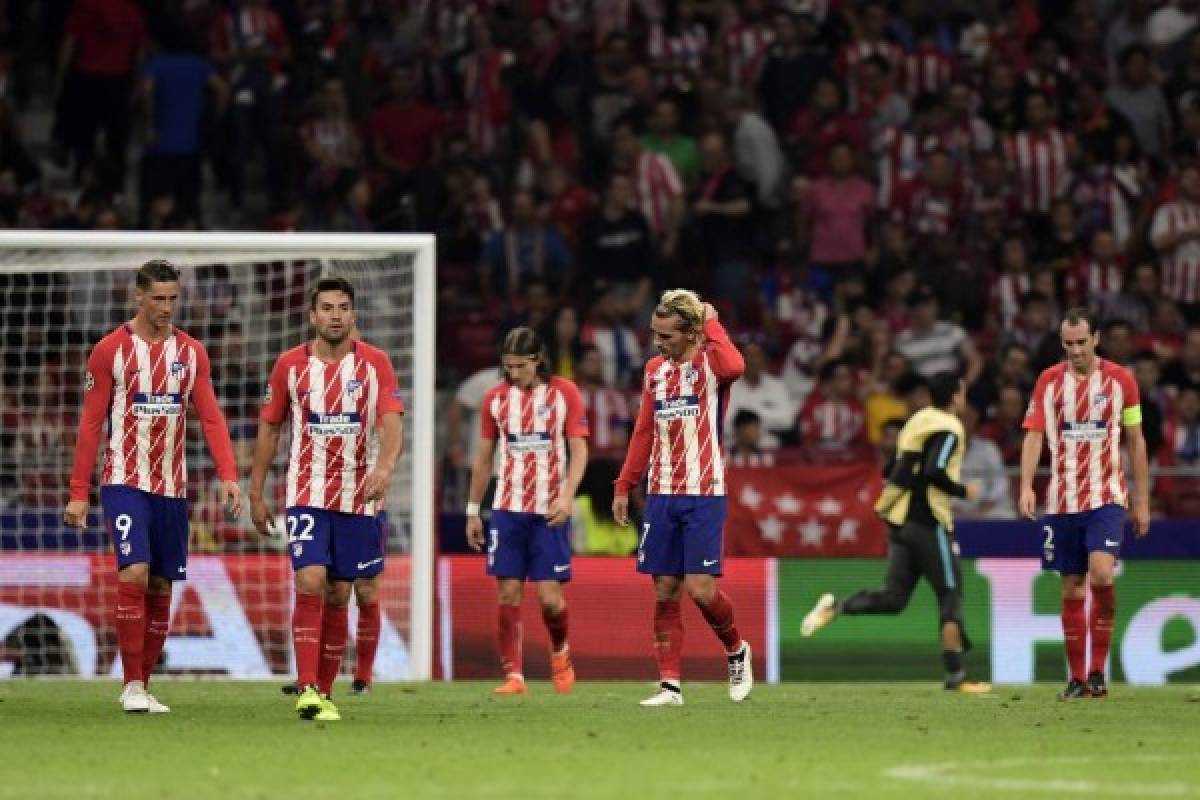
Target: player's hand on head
(710, 312)
(620, 509)
(75, 514)
(475, 533)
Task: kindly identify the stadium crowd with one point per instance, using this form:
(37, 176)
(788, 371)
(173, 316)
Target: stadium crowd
(869, 191)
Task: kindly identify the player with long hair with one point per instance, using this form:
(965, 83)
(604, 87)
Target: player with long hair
(538, 423)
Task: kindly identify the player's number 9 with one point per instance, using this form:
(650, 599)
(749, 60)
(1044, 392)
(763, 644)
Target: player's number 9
(295, 522)
(124, 524)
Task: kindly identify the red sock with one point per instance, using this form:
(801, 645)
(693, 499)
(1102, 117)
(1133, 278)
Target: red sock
(306, 637)
(556, 626)
(366, 641)
(1074, 623)
(158, 621)
(1100, 625)
(131, 628)
(719, 613)
(668, 639)
(335, 626)
(509, 637)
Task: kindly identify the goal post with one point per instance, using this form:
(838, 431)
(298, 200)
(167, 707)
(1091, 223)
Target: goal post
(245, 298)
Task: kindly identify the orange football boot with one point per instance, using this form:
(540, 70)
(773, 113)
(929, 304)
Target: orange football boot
(562, 672)
(513, 684)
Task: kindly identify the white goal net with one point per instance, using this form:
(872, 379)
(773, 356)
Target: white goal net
(245, 297)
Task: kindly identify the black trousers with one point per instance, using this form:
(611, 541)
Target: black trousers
(916, 551)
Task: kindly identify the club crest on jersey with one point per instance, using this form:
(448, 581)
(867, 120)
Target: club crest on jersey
(88, 381)
(177, 367)
(543, 410)
(690, 374)
(353, 385)
(1100, 400)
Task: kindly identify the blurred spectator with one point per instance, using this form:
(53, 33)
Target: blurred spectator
(934, 345)
(721, 214)
(756, 152)
(663, 137)
(1138, 98)
(793, 65)
(983, 462)
(820, 125)
(1156, 405)
(1116, 342)
(869, 40)
(93, 83)
(615, 243)
(1126, 28)
(1184, 372)
(606, 330)
(604, 96)
(836, 222)
(658, 191)
(533, 308)
(746, 38)
(462, 416)
(746, 447)
(563, 344)
(1175, 234)
(404, 131)
(525, 247)
(609, 416)
(1004, 428)
(1039, 157)
(175, 83)
(1012, 367)
(889, 439)
(1184, 429)
(331, 140)
(486, 91)
(764, 394)
(1170, 23)
(568, 203)
(885, 400)
(1098, 279)
(832, 423)
(879, 104)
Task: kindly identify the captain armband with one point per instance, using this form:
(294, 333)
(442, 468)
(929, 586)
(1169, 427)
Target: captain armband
(1131, 415)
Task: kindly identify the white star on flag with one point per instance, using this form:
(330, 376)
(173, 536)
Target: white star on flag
(750, 497)
(812, 533)
(787, 504)
(772, 529)
(865, 494)
(828, 506)
(848, 531)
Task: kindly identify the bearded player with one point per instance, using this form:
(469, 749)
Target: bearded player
(338, 393)
(141, 378)
(1080, 408)
(677, 435)
(538, 423)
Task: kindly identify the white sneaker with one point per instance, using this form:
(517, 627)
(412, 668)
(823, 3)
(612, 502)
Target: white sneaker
(134, 699)
(155, 707)
(741, 673)
(668, 695)
(821, 615)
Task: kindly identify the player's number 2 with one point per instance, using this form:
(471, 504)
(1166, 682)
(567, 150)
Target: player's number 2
(294, 522)
(124, 524)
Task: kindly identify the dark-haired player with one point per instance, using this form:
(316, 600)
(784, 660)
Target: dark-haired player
(141, 378)
(341, 397)
(1079, 408)
(539, 425)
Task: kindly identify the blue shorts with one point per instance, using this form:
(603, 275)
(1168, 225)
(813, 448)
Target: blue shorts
(349, 546)
(521, 545)
(681, 535)
(1067, 539)
(147, 529)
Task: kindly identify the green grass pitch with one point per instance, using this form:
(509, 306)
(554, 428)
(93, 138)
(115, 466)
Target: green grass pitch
(816, 740)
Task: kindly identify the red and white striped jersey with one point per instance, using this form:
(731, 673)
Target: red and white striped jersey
(831, 425)
(1091, 280)
(925, 69)
(746, 48)
(1042, 167)
(854, 54)
(334, 142)
(901, 152)
(244, 28)
(487, 98)
(925, 211)
(608, 419)
(143, 389)
(678, 431)
(656, 182)
(532, 426)
(1082, 419)
(1180, 266)
(676, 56)
(335, 412)
(1007, 289)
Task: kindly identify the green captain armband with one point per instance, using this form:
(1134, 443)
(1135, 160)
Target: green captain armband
(1131, 416)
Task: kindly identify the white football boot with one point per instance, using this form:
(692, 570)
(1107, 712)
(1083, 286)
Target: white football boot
(741, 673)
(669, 694)
(821, 615)
(134, 699)
(154, 706)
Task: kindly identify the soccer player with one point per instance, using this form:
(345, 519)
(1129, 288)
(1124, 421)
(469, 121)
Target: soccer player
(539, 422)
(141, 378)
(677, 435)
(344, 406)
(1079, 408)
(926, 472)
